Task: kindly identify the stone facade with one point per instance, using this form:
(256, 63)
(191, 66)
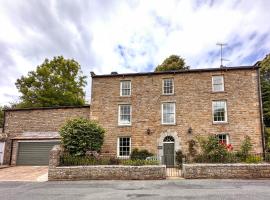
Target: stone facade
(36, 124)
(193, 97)
(102, 172)
(224, 171)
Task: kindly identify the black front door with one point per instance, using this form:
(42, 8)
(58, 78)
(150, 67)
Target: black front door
(168, 152)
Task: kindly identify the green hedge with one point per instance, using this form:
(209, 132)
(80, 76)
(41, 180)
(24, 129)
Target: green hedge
(71, 160)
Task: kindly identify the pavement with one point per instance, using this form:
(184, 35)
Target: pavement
(122, 190)
(24, 173)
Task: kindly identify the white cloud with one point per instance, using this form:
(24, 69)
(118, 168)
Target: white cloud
(128, 36)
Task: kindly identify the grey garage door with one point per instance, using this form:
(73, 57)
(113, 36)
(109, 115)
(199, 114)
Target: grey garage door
(34, 153)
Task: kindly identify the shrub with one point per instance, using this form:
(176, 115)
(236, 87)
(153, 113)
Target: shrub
(72, 160)
(114, 161)
(212, 150)
(267, 157)
(245, 148)
(192, 151)
(137, 154)
(139, 162)
(81, 135)
(179, 157)
(253, 159)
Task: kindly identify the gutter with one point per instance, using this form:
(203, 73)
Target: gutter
(261, 110)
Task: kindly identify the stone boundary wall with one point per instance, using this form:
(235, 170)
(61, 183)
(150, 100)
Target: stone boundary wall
(226, 171)
(101, 172)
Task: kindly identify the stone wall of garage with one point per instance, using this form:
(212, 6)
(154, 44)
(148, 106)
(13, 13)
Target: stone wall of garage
(102, 172)
(226, 171)
(36, 124)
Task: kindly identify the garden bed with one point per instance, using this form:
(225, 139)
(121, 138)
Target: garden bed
(101, 172)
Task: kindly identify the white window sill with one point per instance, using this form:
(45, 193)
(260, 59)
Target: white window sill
(123, 157)
(219, 91)
(220, 123)
(125, 95)
(123, 125)
(167, 124)
(168, 94)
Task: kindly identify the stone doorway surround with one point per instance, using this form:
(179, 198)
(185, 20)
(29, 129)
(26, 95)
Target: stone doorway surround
(161, 138)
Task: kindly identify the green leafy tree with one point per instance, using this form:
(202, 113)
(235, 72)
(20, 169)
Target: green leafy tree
(173, 62)
(1, 117)
(265, 87)
(56, 82)
(81, 135)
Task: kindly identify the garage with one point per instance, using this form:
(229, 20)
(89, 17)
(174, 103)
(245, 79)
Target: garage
(34, 153)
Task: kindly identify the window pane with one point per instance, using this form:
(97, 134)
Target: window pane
(219, 108)
(125, 114)
(168, 86)
(218, 83)
(168, 113)
(222, 138)
(124, 146)
(125, 88)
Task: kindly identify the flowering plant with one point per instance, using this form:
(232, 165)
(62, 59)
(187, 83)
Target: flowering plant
(229, 147)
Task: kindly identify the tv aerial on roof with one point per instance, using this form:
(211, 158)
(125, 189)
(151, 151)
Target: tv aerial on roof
(221, 53)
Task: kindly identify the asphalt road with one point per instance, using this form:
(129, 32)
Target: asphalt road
(167, 189)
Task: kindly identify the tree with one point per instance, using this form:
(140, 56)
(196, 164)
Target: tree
(1, 117)
(81, 135)
(265, 87)
(56, 82)
(173, 62)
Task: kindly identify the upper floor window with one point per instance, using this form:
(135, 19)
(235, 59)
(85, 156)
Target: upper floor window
(223, 138)
(125, 88)
(168, 87)
(123, 147)
(219, 111)
(217, 83)
(124, 116)
(168, 113)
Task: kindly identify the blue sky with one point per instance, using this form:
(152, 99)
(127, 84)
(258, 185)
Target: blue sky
(128, 36)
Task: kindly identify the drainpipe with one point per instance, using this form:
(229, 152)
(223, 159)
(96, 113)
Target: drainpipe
(4, 120)
(261, 110)
(11, 151)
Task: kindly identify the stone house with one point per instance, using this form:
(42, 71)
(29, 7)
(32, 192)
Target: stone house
(157, 111)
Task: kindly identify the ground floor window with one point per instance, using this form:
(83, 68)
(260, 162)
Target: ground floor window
(223, 138)
(124, 146)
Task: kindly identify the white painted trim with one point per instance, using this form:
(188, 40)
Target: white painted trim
(121, 88)
(222, 83)
(174, 122)
(177, 141)
(117, 150)
(2, 156)
(163, 86)
(119, 110)
(227, 137)
(226, 117)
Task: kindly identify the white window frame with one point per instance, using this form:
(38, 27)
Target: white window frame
(121, 94)
(2, 156)
(213, 88)
(118, 147)
(162, 120)
(225, 110)
(227, 137)
(119, 115)
(163, 82)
